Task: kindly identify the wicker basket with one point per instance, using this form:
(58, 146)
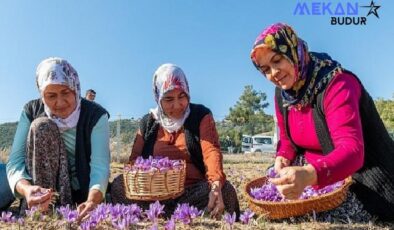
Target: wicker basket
(292, 208)
(152, 186)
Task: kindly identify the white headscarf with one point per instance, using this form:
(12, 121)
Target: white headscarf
(57, 71)
(166, 78)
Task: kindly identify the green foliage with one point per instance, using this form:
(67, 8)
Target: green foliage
(246, 117)
(7, 132)
(128, 128)
(229, 135)
(386, 112)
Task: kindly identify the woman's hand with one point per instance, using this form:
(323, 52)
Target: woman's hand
(35, 195)
(294, 179)
(215, 204)
(280, 163)
(95, 197)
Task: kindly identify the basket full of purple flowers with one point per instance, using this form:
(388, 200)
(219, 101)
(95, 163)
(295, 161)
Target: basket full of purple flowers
(154, 178)
(264, 198)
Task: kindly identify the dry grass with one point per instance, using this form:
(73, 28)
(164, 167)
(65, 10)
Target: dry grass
(4, 155)
(239, 169)
(120, 155)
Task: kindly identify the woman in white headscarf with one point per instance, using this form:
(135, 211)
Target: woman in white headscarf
(178, 129)
(61, 144)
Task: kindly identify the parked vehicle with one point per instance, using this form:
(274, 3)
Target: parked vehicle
(258, 143)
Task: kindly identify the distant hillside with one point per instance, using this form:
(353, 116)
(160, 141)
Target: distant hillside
(7, 132)
(128, 127)
(127, 131)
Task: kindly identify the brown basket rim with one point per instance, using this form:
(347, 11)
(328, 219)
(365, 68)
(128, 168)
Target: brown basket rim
(346, 184)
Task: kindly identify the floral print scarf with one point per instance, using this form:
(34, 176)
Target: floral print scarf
(312, 70)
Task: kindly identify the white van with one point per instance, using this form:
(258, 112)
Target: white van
(258, 143)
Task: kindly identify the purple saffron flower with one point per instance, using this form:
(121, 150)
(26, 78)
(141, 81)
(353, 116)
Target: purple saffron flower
(186, 213)
(155, 210)
(21, 221)
(6, 217)
(100, 213)
(91, 223)
(34, 213)
(85, 225)
(230, 219)
(154, 227)
(246, 216)
(170, 225)
(120, 224)
(162, 164)
(268, 192)
(72, 216)
(68, 214)
(134, 210)
(116, 211)
(271, 173)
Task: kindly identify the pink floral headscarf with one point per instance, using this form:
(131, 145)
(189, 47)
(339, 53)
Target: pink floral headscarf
(282, 39)
(312, 70)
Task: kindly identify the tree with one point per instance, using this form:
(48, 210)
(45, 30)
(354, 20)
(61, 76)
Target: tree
(386, 112)
(249, 112)
(246, 117)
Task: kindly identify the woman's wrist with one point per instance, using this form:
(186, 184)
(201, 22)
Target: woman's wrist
(311, 174)
(95, 196)
(21, 186)
(215, 185)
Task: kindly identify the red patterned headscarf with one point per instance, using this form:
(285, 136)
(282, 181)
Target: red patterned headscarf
(166, 78)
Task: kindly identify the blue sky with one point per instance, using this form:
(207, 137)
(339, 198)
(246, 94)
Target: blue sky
(116, 46)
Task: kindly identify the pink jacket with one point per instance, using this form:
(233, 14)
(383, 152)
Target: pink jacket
(341, 108)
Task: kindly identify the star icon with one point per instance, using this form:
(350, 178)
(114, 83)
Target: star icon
(373, 9)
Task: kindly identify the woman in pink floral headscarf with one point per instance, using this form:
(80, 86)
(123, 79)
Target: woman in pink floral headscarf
(178, 129)
(326, 117)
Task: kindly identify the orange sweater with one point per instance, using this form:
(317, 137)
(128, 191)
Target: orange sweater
(174, 146)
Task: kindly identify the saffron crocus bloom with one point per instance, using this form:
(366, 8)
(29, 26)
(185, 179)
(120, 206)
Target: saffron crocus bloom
(170, 225)
(6, 217)
(246, 216)
(154, 211)
(230, 219)
(151, 164)
(154, 227)
(34, 213)
(21, 221)
(120, 224)
(68, 214)
(186, 213)
(271, 173)
(86, 225)
(134, 210)
(269, 192)
(266, 192)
